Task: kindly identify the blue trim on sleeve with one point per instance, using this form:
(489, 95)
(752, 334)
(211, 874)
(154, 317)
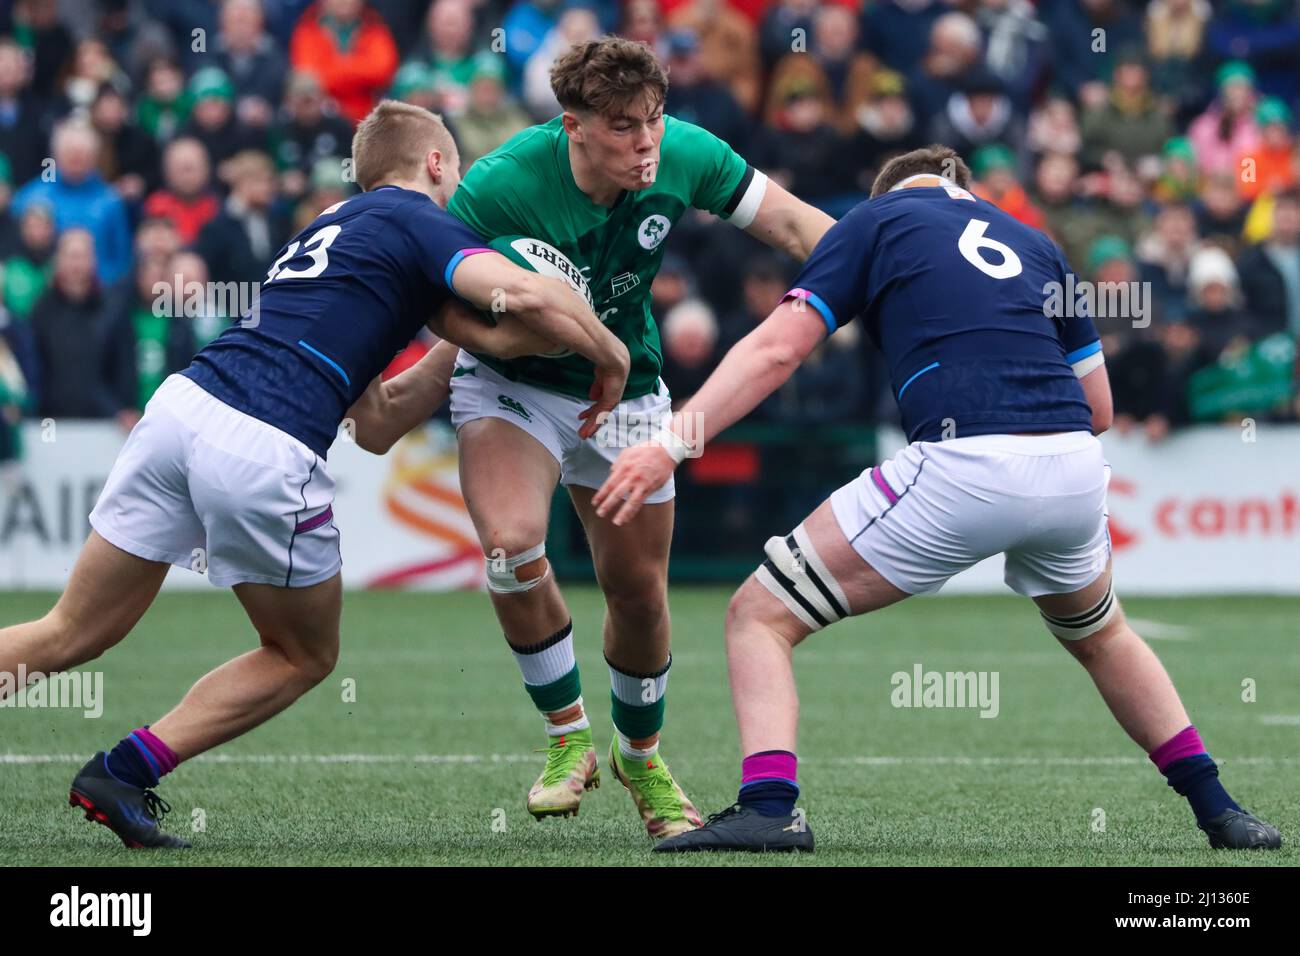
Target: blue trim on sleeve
(818, 303)
(915, 377)
(1091, 348)
(328, 361)
(451, 267)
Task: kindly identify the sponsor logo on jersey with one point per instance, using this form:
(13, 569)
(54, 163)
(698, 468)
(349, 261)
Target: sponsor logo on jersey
(652, 231)
(623, 283)
(508, 404)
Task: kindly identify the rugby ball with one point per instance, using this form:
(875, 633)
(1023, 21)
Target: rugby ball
(544, 259)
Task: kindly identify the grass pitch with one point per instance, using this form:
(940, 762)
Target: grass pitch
(430, 763)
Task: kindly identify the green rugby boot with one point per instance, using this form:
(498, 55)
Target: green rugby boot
(570, 771)
(664, 808)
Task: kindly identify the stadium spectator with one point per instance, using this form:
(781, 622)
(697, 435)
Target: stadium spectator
(576, 24)
(672, 284)
(26, 270)
(213, 121)
(209, 314)
(91, 68)
(45, 38)
(728, 47)
(493, 115)
(1264, 33)
(80, 198)
(162, 342)
(977, 113)
(1220, 211)
(129, 156)
(164, 107)
(311, 131)
(1054, 128)
(256, 66)
(1164, 257)
(1175, 41)
(156, 238)
(690, 344)
(994, 167)
(447, 52)
(186, 198)
(1268, 168)
(885, 127)
(899, 32)
(239, 243)
(804, 151)
(1142, 381)
(1081, 31)
(1270, 271)
(1015, 45)
(954, 52)
(330, 182)
(86, 364)
(1226, 130)
(414, 84)
(349, 49)
(14, 401)
(695, 97)
(23, 131)
(1179, 179)
(1130, 125)
(642, 22)
(783, 25)
(1065, 212)
(1217, 315)
(527, 23)
(848, 69)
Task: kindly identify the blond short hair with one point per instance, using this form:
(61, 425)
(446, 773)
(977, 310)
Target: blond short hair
(393, 140)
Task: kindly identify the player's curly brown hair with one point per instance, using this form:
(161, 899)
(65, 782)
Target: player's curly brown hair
(608, 75)
(936, 159)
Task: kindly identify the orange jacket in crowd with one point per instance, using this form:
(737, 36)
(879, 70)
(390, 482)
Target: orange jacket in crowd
(354, 77)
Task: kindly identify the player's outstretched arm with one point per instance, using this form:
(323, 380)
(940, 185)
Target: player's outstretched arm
(787, 223)
(753, 369)
(547, 306)
(388, 410)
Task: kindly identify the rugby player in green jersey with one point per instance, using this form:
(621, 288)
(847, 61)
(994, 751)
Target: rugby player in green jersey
(591, 196)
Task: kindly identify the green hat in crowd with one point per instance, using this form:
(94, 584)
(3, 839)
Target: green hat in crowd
(489, 66)
(990, 157)
(413, 77)
(1179, 147)
(6, 170)
(1107, 249)
(1234, 70)
(1272, 110)
(211, 81)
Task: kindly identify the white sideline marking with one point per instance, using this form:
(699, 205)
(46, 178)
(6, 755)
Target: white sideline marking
(864, 761)
(1281, 720)
(1160, 631)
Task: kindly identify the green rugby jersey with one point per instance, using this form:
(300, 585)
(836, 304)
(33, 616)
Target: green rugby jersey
(525, 187)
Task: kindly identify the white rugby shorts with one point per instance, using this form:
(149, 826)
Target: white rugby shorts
(479, 392)
(205, 487)
(936, 508)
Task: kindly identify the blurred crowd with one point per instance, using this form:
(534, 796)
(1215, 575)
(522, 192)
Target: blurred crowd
(182, 142)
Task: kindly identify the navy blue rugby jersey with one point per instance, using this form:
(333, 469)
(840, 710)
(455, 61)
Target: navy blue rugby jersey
(956, 295)
(341, 299)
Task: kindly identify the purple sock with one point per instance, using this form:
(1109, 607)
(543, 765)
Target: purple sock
(141, 759)
(1192, 772)
(769, 783)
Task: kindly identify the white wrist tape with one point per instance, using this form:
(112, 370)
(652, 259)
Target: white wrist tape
(676, 446)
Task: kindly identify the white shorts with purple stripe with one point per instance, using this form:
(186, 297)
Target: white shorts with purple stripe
(936, 508)
(205, 487)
